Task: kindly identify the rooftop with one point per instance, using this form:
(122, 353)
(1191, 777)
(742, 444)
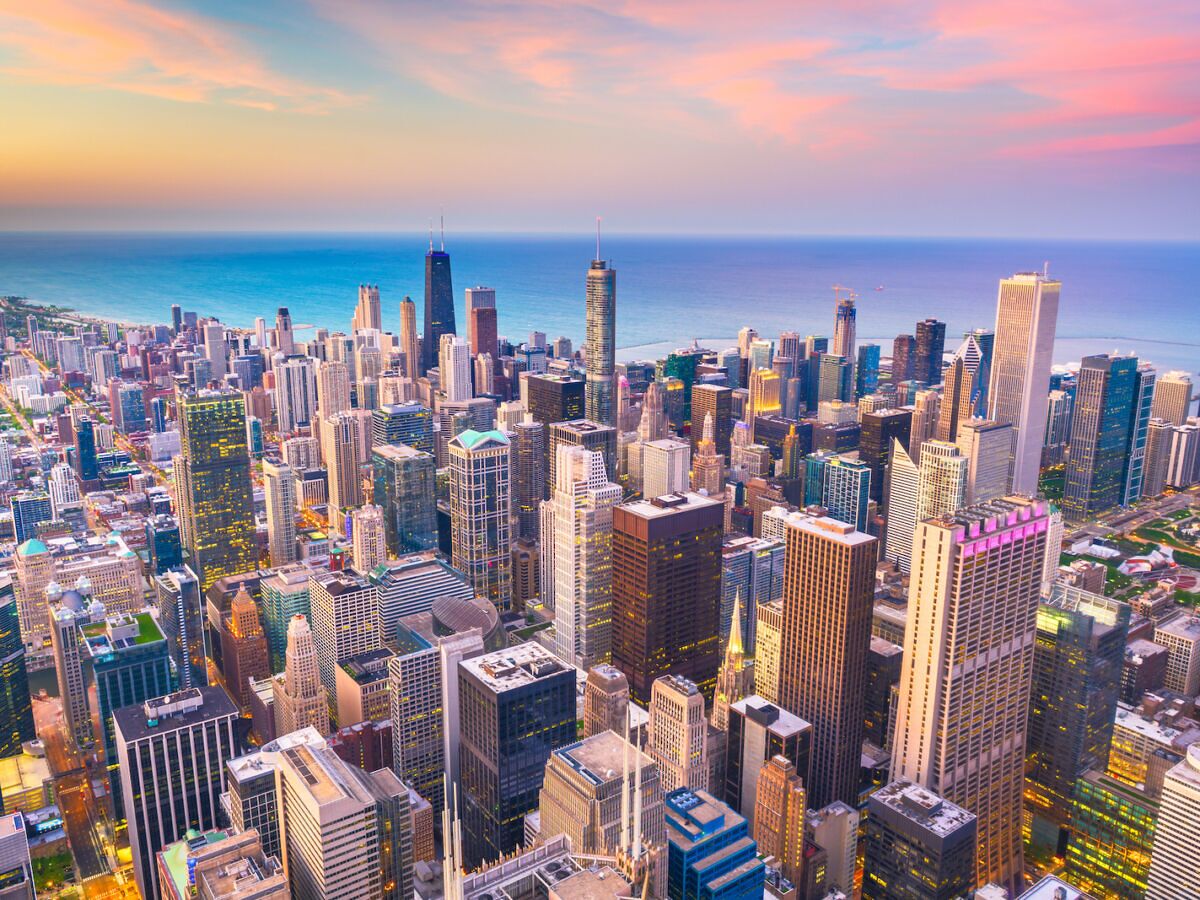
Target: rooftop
(368, 667)
(825, 527)
(773, 718)
(262, 760)
(173, 712)
(657, 507)
(1185, 627)
(925, 808)
(514, 667)
(602, 757)
(120, 633)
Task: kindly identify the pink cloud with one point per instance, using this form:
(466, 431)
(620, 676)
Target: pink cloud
(135, 47)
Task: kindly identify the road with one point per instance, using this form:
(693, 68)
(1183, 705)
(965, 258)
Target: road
(1126, 521)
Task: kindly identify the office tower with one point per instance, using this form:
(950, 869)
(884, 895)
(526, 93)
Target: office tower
(85, 450)
(577, 525)
(667, 590)
(829, 577)
(35, 570)
(481, 322)
(844, 327)
(528, 477)
(553, 398)
(957, 404)
(779, 811)
(404, 487)
(678, 733)
(1026, 315)
(344, 833)
(16, 711)
(1113, 833)
(516, 706)
(936, 487)
(904, 351)
(302, 453)
(587, 434)
(279, 483)
(128, 406)
(752, 569)
(600, 342)
(653, 424)
(1173, 397)
(216, 348)
(709, 849)
(1180, 634)
(834, 378)
(879, 429)
(764, 395)
(715, 400)
(244, 651)
(333, 388)
(194, 730)
(345, 620)
(975, 586)
(439, 304)
(29, 509)
(68, 611)
(1182, 456)
(368, 314)
(708, 467)
(1101, 428)
(368, 538)
(340, 447)
(883, 675)
(1077, 663)
(295, 393)
(926, 411)
(404, 423)
(599, 792)
(480, 512)
(454, 367)
(527, 579)
(409, 341)
(284, 594)
(1173, 870)
(768, 649)
(300, 699)
(866, 370)
(918, 846)
(65, 500)
(181, 617)
(734, 679)
(213, 489)
(986, 445)
(1159, 434)
(362, 689)
(665, 466)
(417, 583)
(757, 731)
(605, 701)
(841, 485)
(1139, 426)
(930, 350)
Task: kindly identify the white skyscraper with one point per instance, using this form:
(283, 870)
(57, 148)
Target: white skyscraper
(1173, 398)
(216, 350)
(679, 733)
(665, 467)
(333, 388)
(64, 489)
(369, 538)
(1173, 869)
(1026, 316)
(295, 393)
(935, 487)
(454, 367)
(578, 561)
(345, 620)
(6, 467)
(968, 660)
(279, 484)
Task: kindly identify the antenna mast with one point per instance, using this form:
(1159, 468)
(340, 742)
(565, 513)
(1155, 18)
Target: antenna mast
(443, 221)
(597, 237)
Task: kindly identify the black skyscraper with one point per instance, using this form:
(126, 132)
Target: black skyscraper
(931, 348)
(439, 305)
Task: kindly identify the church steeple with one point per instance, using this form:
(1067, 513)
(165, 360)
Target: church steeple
(734, 678)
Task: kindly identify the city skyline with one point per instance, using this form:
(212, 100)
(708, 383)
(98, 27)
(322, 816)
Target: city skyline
(791, 120)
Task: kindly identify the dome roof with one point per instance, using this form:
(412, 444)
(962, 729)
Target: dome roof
(458, 614)
(74, 601)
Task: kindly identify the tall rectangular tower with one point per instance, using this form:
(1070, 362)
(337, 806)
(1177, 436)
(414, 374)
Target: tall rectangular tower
(480, 512)
(600, 342)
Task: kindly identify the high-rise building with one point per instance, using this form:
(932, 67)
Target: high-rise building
(482, 340)
(214, 493)
(480, 512)
(340, 445)
(1101, 429)
(1112, 835)
(193, 730)
(715, 400)
(930, 350)
(553, 398)
(1076, 683)
(528, 477)
(516, 706)
(1173, 866)
(936, 487)
(454, 368)
(68, 611)
(679, 733)
(958, 400)
(600, 342)
(29, 509)
(829, 577)
(708, 466)
(779, 815)
(764, 396)
(244, 653)
(279, 483)
(345, 620)
(844, 328)
(220, 865)
(368, 538)
(1026, 316)
(344, 833)
(665, 467)
(986, 445)
(181, 617)
(583, 433)
(296, 393)
(974, 591)
(710, 851)
(904, 351)
(918, 846)
(605, 701)
(16, 711)
(866, 370)
(757, 731)
(368, 314)
(576, 559)
(404, 487)
(667, 590)
(1173, 397)
(1159, 435)
(409, 340)
(333, 388)
(841, 484)
(439, 304)
(300, 699)
(216, 348)
(879, 429)
(403, 423)
(1139, 427)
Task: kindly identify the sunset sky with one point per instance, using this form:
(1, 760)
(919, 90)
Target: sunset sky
(952, 117)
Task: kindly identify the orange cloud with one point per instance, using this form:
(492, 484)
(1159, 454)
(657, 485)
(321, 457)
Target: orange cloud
(131, 46)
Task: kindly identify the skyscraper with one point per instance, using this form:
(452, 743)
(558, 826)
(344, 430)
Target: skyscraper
(1173, 866)
(577, 557)
(300, 699)
(715, 400)
(930, 350)
(516, 707)
(708, 467)
(368, 315)
(16, 710)
(285, 343)
(333, 388)
(678, 733)
(1101, 431)
(1026, 315)
(214, 493)
(279, 483)
(605, 701)
(368, 538)
(986, 445)
(844, 328)
(345, 620)
(958, 404)
(600, 341)
(1173, 397)
(904, 351)
(454, 368)
(244, 651)
(710, 851)
(481, 329)
(439, 304)
(779, 815)
(828, 593)
(528, 477)
(68, 611)
(295, 393)
(667, 590)
(193, 729)
(936, 487)
(665, 466)
(974, 592)
(734, 679)
(403, 423)
(181, 617)
(340, 445)
(404, 487)
(409, 342)
(480, 512)
(583, 433)
(879, 428)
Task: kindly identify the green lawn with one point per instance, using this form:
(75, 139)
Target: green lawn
(1053, 482)
(50, 872)
(1180, 515)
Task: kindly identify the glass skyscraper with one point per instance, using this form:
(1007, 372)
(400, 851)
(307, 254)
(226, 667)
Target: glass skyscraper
(404, 487)
(403, 423)
(1106, 408)
(16, 709)
(600, 342)
(439, 304)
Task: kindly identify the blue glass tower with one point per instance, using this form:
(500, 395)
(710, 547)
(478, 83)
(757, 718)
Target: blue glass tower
(85, 450)
(16, 709)
(1106, 408)
(158, 414)
(28, 509)
(403, 423)
(710, 853)
(866, 370)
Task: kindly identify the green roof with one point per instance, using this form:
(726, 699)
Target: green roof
(32, 546)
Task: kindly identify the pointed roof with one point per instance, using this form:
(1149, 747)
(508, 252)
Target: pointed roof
(32, 547)
(735, 627)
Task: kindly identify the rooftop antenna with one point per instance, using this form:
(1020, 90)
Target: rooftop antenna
(597, 237)
(1046, 269)
(431, 234)
(443, 221)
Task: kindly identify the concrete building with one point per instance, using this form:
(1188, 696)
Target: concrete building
(300, 699)
(1173, 870)
(480, 513)
(605, 701)
(679, 733)
(759, 731)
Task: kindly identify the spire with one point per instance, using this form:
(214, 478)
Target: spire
(735, 628)
(597, 237)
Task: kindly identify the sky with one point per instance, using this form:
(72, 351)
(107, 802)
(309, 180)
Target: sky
(1032, 118)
